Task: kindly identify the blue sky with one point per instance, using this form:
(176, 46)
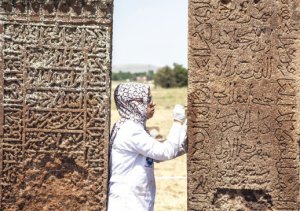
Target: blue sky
(152, 32)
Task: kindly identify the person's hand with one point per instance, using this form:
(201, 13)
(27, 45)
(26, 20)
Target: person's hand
(183, 137)
(179, 113)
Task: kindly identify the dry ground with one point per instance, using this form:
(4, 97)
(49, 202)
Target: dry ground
(171, 182)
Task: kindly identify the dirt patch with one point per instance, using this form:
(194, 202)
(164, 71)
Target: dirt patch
(54, 182)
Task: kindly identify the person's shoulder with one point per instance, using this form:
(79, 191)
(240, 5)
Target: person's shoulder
(129, 124)
(130, 128)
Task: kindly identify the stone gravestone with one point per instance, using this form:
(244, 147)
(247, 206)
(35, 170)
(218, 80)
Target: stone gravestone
(244, 63)
(55, 97)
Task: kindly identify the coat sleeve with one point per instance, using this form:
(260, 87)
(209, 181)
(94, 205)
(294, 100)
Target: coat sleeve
(183, 140)
(144, 144)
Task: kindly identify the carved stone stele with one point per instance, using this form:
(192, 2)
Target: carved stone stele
(55, 62)
(244, 65)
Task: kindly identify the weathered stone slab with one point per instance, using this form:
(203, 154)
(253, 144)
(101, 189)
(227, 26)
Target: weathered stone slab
(244, 64)
(55, 62)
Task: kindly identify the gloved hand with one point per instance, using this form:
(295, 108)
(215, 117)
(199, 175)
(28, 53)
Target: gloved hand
(183, 140)
(179, 113)
(183, 137)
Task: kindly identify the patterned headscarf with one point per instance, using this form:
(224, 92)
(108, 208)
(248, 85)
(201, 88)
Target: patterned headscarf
(131, 100)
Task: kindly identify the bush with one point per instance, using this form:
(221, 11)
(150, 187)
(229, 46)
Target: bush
(167, 77)
(180, 75)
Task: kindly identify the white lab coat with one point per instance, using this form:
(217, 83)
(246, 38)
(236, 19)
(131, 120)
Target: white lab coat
(132, 182)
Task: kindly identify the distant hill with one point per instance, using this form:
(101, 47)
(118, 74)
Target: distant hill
(134, 68)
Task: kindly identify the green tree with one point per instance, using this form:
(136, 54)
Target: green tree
(115, 76)
(122, 76)
(165, 77)
(150, 75)
(180, 75)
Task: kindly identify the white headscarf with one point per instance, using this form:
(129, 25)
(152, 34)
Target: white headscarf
(131, 100)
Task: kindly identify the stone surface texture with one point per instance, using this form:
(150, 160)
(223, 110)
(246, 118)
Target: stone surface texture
(244, 64)
(55, 62)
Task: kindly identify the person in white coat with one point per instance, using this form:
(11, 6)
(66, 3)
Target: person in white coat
(133, 150)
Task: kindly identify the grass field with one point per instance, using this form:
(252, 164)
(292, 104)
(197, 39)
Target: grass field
(170, 175)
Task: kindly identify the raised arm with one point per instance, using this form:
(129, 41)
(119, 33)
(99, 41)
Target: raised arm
(144, 144)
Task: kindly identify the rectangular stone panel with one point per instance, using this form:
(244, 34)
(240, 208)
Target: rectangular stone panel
(244, 64)
(55, 62)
